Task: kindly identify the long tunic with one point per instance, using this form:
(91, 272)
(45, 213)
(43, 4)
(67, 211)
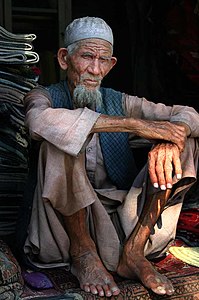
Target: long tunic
(65, 186)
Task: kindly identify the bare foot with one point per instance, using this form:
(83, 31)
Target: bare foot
(92, 275)
(138, 266)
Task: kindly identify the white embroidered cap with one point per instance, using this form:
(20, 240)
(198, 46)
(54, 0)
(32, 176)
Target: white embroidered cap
(87, 28)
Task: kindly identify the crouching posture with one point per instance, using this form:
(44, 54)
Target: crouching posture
(92, 208)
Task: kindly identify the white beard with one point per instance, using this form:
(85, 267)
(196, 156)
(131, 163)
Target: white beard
(83, 97)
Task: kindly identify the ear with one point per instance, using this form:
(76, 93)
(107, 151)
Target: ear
(113, 61)
(62, 58)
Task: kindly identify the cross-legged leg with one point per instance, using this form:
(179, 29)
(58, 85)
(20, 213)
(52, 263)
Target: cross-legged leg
(133, 263)
(86, 264)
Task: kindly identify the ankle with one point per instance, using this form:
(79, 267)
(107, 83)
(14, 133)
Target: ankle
(133, 249)
(82, 248)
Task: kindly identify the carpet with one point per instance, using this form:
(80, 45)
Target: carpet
(184, 277)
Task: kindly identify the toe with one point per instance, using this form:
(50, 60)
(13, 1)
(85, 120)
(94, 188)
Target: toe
(160, 290)
(93, 289)
(114, 289)
(107, 290)
(170, 289)
(100, 290)
(86, 288)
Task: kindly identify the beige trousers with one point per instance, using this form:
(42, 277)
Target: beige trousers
(63, 188)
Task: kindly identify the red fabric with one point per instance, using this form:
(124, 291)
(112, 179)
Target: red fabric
(189, 221)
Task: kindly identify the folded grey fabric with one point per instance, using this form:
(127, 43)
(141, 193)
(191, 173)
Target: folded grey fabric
(6, 35)
(5, 45)
(17, 48)
(18, 57)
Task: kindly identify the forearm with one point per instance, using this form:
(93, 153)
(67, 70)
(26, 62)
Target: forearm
(151, 130)
(115, 124)
(140, 108)
(143, 128)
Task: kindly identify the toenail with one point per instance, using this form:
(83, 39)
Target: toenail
(171, 291)
(114, 289)
(161, 289)
(86, 288)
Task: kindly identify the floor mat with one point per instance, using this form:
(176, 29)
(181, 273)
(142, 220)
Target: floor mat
(184, 277)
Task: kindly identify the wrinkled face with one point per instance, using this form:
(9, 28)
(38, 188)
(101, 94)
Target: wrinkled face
(88, 65)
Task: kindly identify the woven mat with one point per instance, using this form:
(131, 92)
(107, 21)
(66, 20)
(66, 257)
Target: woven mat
(184, 277)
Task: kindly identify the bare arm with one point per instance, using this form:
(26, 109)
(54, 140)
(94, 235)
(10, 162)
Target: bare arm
(164, 158)
(141, 108)
(152, 130)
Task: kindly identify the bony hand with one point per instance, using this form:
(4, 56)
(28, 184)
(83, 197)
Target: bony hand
(164, 161)
(162, 130)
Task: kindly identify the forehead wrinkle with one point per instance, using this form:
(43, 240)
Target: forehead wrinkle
(96, 45)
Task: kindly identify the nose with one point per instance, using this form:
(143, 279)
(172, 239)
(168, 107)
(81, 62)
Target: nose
(94, 67)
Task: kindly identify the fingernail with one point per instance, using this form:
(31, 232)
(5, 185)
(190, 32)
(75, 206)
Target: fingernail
(155, 185)
(179, 176)
(169, 185)
(163, 187)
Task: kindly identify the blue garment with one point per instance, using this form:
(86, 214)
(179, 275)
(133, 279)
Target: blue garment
(118, 157)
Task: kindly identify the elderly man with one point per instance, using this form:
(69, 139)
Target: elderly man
(92, 209)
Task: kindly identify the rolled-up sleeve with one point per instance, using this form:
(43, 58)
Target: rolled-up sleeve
(140, 108)
(67, 129)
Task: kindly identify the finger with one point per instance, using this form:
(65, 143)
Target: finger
(168, 167)
(177, 163)
(152, 170)
(160, 167)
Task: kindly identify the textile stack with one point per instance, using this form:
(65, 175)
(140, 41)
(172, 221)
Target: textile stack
(17, 77)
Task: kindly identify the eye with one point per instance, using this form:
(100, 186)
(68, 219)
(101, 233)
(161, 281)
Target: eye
(87, 56)
(104, 60)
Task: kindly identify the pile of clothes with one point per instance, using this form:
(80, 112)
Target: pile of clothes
(17, 77)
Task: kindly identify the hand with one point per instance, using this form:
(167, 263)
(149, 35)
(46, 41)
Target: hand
(164, 162)
(163, 130)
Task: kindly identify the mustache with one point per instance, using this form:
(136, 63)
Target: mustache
(91, 77)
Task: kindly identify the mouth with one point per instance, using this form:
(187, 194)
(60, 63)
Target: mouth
(91, 82)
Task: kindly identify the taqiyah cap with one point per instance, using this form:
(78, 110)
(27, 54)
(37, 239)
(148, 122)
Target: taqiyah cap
(87, 28)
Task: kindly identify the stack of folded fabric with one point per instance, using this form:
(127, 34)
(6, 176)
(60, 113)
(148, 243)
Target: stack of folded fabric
(17, 48)
(17, 77)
